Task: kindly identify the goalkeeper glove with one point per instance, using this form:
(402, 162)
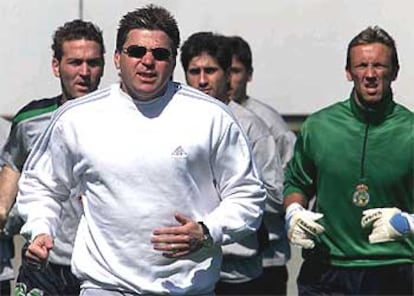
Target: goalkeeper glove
(388, 224)
(301, 226)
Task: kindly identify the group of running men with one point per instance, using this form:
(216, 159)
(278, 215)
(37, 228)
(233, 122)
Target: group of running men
(151, 186)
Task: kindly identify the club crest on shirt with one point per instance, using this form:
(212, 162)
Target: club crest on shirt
(361, 196)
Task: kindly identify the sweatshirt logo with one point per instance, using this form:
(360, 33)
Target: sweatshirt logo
(179, 152)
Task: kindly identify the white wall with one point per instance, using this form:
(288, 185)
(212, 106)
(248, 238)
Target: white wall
(298, 45)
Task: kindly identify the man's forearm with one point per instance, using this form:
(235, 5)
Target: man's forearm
(295, 198)
(8, 191)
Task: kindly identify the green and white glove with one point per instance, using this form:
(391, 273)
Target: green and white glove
(301, 226)
(388, 224)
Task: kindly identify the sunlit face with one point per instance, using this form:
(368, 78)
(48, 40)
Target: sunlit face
(239, 77)
(145, 78)
(205, 74)
(372, 72)
(80, 68)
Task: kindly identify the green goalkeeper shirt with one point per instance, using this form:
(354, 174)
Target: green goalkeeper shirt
(341, 147)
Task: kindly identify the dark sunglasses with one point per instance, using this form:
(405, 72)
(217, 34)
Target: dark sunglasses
(136, 51)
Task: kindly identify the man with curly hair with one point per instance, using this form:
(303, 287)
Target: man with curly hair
(78, 63)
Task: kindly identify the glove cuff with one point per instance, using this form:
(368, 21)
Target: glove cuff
(291, 209)
(400, 223)
(410, 219)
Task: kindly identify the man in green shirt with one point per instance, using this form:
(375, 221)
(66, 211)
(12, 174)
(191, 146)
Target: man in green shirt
(356, 157)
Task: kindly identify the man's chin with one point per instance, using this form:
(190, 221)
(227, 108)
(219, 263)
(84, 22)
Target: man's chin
(371, 98)
(81, 93)
(371, 101)
(78, 95)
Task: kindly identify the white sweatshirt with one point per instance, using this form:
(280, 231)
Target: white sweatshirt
(284, 137)
(278, 252)
(136, 165)
(242, 262)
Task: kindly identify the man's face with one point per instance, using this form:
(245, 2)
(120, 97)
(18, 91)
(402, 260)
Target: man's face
(205, 74)
(80, 69)
(145, 78)
(239, 77)
(372, 72)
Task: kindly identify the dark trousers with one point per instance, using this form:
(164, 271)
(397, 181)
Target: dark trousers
(271, 282)
(52, 280)
(5, 288)
(320, 279)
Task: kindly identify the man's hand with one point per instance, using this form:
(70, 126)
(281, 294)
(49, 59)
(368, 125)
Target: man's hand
(388, 224)
(38, 251)
(178, 241)
(301, 225)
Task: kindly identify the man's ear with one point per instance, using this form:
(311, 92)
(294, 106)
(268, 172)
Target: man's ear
(117, 61)
(55, 67)
(173, 64)
(348, 75)
(395, 74)
(250, 77)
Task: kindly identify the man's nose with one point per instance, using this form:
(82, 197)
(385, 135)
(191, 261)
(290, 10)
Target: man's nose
(371, 72)
(203, 81)
(148, 58)
(84, 69)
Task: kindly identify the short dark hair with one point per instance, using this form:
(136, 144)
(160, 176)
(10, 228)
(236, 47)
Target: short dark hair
(374, 34)
(150, 17)
(241, 50)
(76, 30)
(215, 45)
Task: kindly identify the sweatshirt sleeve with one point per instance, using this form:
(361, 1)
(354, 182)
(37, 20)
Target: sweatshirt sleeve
(285, 143)
(241, 191)
(268, 163)
(14, 152)
(45, 182)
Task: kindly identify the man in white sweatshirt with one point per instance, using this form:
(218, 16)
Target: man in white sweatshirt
(206, 59)
(275, 274)
(165, 173)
